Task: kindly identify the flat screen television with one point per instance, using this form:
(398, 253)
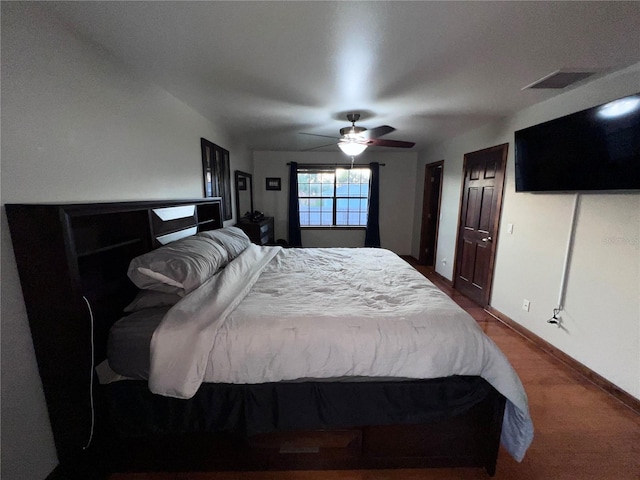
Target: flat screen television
(597, 149)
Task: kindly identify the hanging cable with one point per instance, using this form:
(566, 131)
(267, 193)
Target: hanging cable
(555, 320)
(93, 415)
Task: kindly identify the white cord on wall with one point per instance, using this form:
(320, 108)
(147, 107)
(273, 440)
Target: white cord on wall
(567, 261)
(93, 415)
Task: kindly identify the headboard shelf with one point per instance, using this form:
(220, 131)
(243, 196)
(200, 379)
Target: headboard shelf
(65, 252)
(208, 216)
(109, 247)
(206, 224)
(93, 233)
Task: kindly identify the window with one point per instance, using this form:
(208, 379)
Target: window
(333, 197)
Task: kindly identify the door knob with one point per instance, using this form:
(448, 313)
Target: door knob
(487, 239)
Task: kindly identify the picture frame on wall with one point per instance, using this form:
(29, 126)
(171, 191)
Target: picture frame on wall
(207, 168)
(273, 183)
(216, 173)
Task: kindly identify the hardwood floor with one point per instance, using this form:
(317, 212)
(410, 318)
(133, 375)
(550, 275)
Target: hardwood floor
(581, 432)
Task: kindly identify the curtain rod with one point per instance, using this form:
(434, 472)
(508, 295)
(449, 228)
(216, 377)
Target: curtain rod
(346, 165)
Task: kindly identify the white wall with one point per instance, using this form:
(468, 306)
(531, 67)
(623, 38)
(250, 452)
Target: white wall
(76, 126)
(397, 193)
(79, 126)
(601, 321)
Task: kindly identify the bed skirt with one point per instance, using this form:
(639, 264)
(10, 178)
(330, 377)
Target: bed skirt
(454, 421)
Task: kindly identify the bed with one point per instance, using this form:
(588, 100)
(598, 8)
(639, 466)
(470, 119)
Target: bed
(235, 356)
(320, 329)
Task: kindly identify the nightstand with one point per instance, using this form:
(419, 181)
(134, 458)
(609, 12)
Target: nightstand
(261, 232)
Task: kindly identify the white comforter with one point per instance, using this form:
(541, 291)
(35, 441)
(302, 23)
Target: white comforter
(286, 314)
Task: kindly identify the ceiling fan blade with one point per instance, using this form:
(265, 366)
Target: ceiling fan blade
(319, 146)
(378, 142)
(377, 132)
(316, 135)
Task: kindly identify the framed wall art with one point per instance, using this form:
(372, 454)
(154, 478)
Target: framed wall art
(216, 173)
(273, 183)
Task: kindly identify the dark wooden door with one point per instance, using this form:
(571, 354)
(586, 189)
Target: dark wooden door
(430, 213)
(479, 221)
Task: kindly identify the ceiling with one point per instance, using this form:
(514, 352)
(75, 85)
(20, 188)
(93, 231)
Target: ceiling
(268, 71)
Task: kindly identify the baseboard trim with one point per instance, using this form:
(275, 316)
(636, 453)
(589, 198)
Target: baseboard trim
(413, 261)
(623, 397)
(443, 279)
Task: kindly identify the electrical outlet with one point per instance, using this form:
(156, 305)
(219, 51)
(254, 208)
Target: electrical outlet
(525, 305)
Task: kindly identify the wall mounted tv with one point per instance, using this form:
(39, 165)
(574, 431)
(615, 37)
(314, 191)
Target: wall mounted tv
(597, 149)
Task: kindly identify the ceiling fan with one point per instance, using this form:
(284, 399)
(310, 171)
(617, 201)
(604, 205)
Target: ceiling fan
(354, 140)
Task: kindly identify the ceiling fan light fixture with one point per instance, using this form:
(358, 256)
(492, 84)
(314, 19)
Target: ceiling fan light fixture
(352, 148)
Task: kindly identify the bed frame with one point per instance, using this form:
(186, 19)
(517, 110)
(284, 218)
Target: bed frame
(72, 261)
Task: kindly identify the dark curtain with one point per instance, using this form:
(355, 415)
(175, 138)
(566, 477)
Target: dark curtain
(372, 235)
(295, 237)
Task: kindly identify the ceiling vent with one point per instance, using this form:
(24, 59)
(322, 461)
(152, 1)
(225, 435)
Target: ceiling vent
(560, 79)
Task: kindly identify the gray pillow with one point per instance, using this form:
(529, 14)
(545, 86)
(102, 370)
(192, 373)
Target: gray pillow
(178, 267)
(232, 239)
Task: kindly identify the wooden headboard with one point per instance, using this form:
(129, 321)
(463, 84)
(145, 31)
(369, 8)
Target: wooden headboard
(72, 260)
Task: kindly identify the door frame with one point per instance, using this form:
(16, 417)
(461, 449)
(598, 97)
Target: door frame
(426, 207)
(497, 216)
